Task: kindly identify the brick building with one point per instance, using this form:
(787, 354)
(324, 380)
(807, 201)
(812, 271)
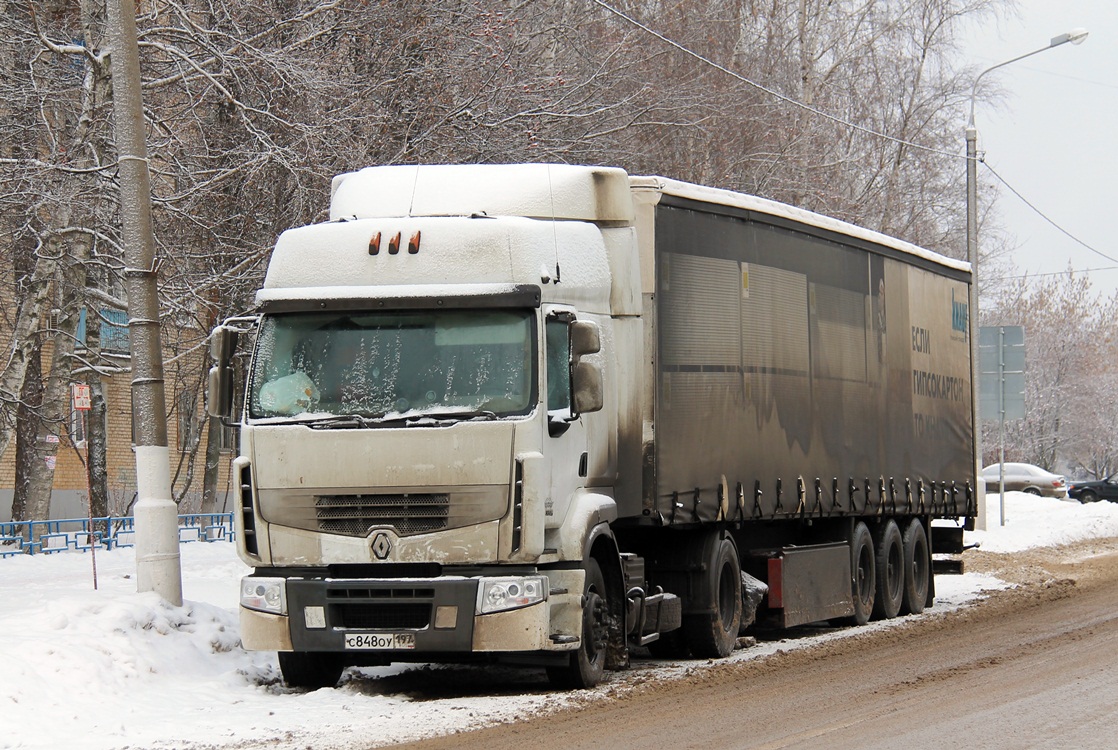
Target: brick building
(184, 400)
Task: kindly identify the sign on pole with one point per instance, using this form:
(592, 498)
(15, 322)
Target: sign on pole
(1001, 384)
(81, 401)
(1001, 376)
(79, 395)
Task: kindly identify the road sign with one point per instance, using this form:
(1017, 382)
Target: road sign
(1001, 372)
(79, 396)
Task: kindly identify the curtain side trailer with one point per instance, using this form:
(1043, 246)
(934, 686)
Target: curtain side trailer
(549, 414)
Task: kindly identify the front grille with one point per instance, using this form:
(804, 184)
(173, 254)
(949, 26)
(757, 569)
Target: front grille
(381, 616)
(354, 515)
(358, 592)
(380, 608)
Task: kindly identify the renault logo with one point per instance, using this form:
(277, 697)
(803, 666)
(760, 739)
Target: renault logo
(381, 545)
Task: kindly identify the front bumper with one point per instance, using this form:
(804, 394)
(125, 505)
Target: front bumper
(413, 616)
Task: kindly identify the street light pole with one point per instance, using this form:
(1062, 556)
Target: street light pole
(1075, 36)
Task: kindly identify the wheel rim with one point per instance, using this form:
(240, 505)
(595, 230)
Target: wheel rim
(920, 566)
(894, 567)
(726, 596)
(595, 627)
(865, 580)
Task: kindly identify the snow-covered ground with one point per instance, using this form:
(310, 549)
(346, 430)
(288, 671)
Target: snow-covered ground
(113, 669)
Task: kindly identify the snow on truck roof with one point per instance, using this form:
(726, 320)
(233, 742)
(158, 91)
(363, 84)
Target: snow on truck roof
(783, 210)
(555, 191)
(539, 191)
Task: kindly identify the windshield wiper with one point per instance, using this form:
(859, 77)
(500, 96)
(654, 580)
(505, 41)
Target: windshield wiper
(383, 419)
(477, 413)
(343, 421)
(441, 417)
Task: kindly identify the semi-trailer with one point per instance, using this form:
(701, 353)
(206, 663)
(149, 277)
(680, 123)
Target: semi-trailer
(548, 414)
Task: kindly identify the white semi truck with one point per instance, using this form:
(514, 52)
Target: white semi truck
(546, 414)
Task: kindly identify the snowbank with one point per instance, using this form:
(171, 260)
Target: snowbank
(113, 669)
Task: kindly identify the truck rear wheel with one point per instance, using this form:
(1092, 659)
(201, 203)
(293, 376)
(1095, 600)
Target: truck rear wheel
(890, 572)
(863, 573)
(714, 634)
(586, 666)
(917, 569)
(302, 669)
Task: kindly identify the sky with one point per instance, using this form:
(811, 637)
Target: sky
(112, 668)
(1053, 136)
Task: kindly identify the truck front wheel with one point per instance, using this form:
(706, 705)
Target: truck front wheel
(303, 669)
(586, 666)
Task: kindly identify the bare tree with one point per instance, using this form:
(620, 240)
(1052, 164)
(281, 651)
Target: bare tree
(252, 108)
(1069, 399)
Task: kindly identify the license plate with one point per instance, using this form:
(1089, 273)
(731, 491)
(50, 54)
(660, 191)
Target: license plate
(379, 641)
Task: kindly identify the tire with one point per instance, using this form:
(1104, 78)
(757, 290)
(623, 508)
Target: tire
(1032, 491)
(1087, 496)
(302, 669)
(917, 568)
(714, 635)
(889, 554)
(587, 665)
(863, 573)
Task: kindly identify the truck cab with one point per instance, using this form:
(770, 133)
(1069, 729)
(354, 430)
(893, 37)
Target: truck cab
(429, 427)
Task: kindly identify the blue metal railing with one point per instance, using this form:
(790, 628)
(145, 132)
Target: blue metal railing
(75, 534)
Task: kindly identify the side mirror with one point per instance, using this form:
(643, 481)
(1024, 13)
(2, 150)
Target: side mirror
(585, 339)
(586, 383)
(223, 344)
(220, 402)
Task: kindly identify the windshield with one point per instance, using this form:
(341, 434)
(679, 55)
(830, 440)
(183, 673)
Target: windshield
(377, 364)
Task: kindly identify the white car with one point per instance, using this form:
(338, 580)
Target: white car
(1026, 478)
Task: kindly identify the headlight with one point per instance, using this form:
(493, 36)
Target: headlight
(499, 594)
(264, 594)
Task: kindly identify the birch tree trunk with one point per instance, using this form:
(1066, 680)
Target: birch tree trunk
(55, 409)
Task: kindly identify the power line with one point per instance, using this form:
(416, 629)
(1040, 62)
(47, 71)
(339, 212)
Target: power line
(772, 92)
(1068, 272)
(1054, 74)
(834, 118)
(1045, 216)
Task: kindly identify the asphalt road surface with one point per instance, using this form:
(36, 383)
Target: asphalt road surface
(1031, 667)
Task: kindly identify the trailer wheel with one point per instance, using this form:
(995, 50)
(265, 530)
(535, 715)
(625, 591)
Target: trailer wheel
(302, 669)
(713, 635)
(917, 568)
(863, 573)
(890, 572)
(586, 666)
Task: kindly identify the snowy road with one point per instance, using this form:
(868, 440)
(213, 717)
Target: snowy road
(111, 669)
(1035, 667)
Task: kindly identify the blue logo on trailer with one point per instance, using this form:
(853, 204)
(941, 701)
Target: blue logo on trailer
(959, 316)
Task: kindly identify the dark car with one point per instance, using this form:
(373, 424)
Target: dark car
(1089, 491)
(1025, 478)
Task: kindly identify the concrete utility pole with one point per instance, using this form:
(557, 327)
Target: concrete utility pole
(1075, 36)
(158, 567)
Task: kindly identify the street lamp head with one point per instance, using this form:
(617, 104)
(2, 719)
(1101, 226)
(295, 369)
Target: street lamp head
(1075, 36)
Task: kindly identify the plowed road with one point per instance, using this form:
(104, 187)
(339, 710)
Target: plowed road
(1033, 667)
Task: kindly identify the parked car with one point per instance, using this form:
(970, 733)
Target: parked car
(1089, 491)
(1026, 478)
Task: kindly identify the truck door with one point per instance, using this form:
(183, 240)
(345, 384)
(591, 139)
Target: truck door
(566, 442)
